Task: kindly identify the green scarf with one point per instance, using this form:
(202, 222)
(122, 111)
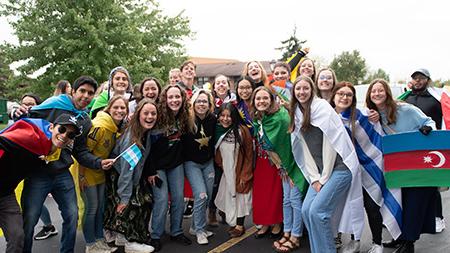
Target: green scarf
(220, 131)
(404, 95)
(100, 102)
(276, 128)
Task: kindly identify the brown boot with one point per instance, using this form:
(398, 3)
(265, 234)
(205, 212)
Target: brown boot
(212, 218)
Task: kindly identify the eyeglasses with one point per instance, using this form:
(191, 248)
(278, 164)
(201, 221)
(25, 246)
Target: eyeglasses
(323, 77)
(201, 101)
(341, 94)
(62, 129)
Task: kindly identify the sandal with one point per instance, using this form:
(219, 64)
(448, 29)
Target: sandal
(288, 246)
(277, 244)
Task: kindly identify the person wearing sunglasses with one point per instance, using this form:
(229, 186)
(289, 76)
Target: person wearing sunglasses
(27, 146)
(55, 178)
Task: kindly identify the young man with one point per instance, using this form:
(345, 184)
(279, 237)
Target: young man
(56, 178)
(25, 147)
(188, 77)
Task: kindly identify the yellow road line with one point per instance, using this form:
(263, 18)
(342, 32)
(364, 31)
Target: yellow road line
(233, 241)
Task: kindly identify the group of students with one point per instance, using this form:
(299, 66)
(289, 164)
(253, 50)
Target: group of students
(283, 152)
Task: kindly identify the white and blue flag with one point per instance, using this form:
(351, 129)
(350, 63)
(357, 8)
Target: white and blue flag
(367, 141)
(132, 155)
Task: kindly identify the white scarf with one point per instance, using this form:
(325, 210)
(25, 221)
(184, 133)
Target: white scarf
(326, 119)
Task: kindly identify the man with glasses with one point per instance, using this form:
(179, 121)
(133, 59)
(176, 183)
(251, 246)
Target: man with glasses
(55, 177)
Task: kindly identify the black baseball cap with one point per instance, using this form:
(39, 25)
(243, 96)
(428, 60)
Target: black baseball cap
(67, 119)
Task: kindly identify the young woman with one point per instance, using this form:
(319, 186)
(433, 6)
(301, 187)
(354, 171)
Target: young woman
(128, 204)
(418, 203)
(101, 140)
(62, 87)
(274, 161)
(307, 68)
(221, 91)
(367, 136)
(325, 80)
(174, 76)
(234, 155)
(149, 88)
(324, 152)
(256, 72)
(119, 83)
(174, 122)
(198, 154)
(244, 89)
(281, 86)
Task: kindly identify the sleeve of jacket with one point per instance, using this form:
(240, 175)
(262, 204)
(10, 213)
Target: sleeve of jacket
(247, 170)
(82, 153)
(125, 180)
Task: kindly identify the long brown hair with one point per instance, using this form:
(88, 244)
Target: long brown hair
(273, 107)
(136, 130)
(168, 119)
(391, 105)
(294, 103)
(352, 107)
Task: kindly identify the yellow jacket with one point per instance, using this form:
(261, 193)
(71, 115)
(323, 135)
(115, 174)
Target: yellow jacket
(101, 140)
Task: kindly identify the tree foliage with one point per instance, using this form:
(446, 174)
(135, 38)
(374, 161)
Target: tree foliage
(379, 73)
(5, 76)
(66, 39)
(291, 45)
(349, 66)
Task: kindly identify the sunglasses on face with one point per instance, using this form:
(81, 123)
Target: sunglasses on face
(71, 135)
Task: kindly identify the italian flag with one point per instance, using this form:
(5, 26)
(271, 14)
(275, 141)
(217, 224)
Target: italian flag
(414, 160)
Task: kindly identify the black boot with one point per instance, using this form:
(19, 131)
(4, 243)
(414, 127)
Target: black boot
(392, 244)
(406, 247)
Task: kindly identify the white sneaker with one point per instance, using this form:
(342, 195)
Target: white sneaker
(208, 233)
(109, 235)
(376, 248)
(134, 247)
(352, 247)
(440, 225)
(95, 249)
(101, 244)
(120, 240)
(202, 238)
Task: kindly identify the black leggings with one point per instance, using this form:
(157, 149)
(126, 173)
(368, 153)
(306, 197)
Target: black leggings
(374, 217)
(439, 205)
(240, 221)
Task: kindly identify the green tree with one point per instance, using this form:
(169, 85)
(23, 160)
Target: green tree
(5, 75)
(379, 73)
(291, 45)
(66, 39)
(349, 66)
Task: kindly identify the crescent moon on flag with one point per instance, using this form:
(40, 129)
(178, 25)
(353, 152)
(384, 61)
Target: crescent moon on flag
(441, 157)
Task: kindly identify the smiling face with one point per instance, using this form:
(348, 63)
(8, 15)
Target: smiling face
(61, 133)
(280, 73)
(221, 86)
(118, 110)
(343, 99)
(254, 71)
(201, 105)
(150, 90)
(262, 100)
(303, 92)
(188, 71)
(174, 99)
(174, 76)
(244, 89)
(307, 68)
(325, 80)
(83, 96)
(148, 116)
(419, 81)
(225, 118)
(378, 95)
(120, 83)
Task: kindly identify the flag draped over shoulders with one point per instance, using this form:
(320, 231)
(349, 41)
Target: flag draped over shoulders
(275, 127)
(368, 146)
(326, 119)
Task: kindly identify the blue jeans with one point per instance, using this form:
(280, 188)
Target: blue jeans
(292, 209)
(94, 206)
(45, 216)
(201, 178)
(11, 223)
(172, 179)
(35, 191)
(319, 208)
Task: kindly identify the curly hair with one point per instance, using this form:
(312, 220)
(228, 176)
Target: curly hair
(168, 119)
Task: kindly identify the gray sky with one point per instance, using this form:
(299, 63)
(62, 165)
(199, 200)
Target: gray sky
(397, 36)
